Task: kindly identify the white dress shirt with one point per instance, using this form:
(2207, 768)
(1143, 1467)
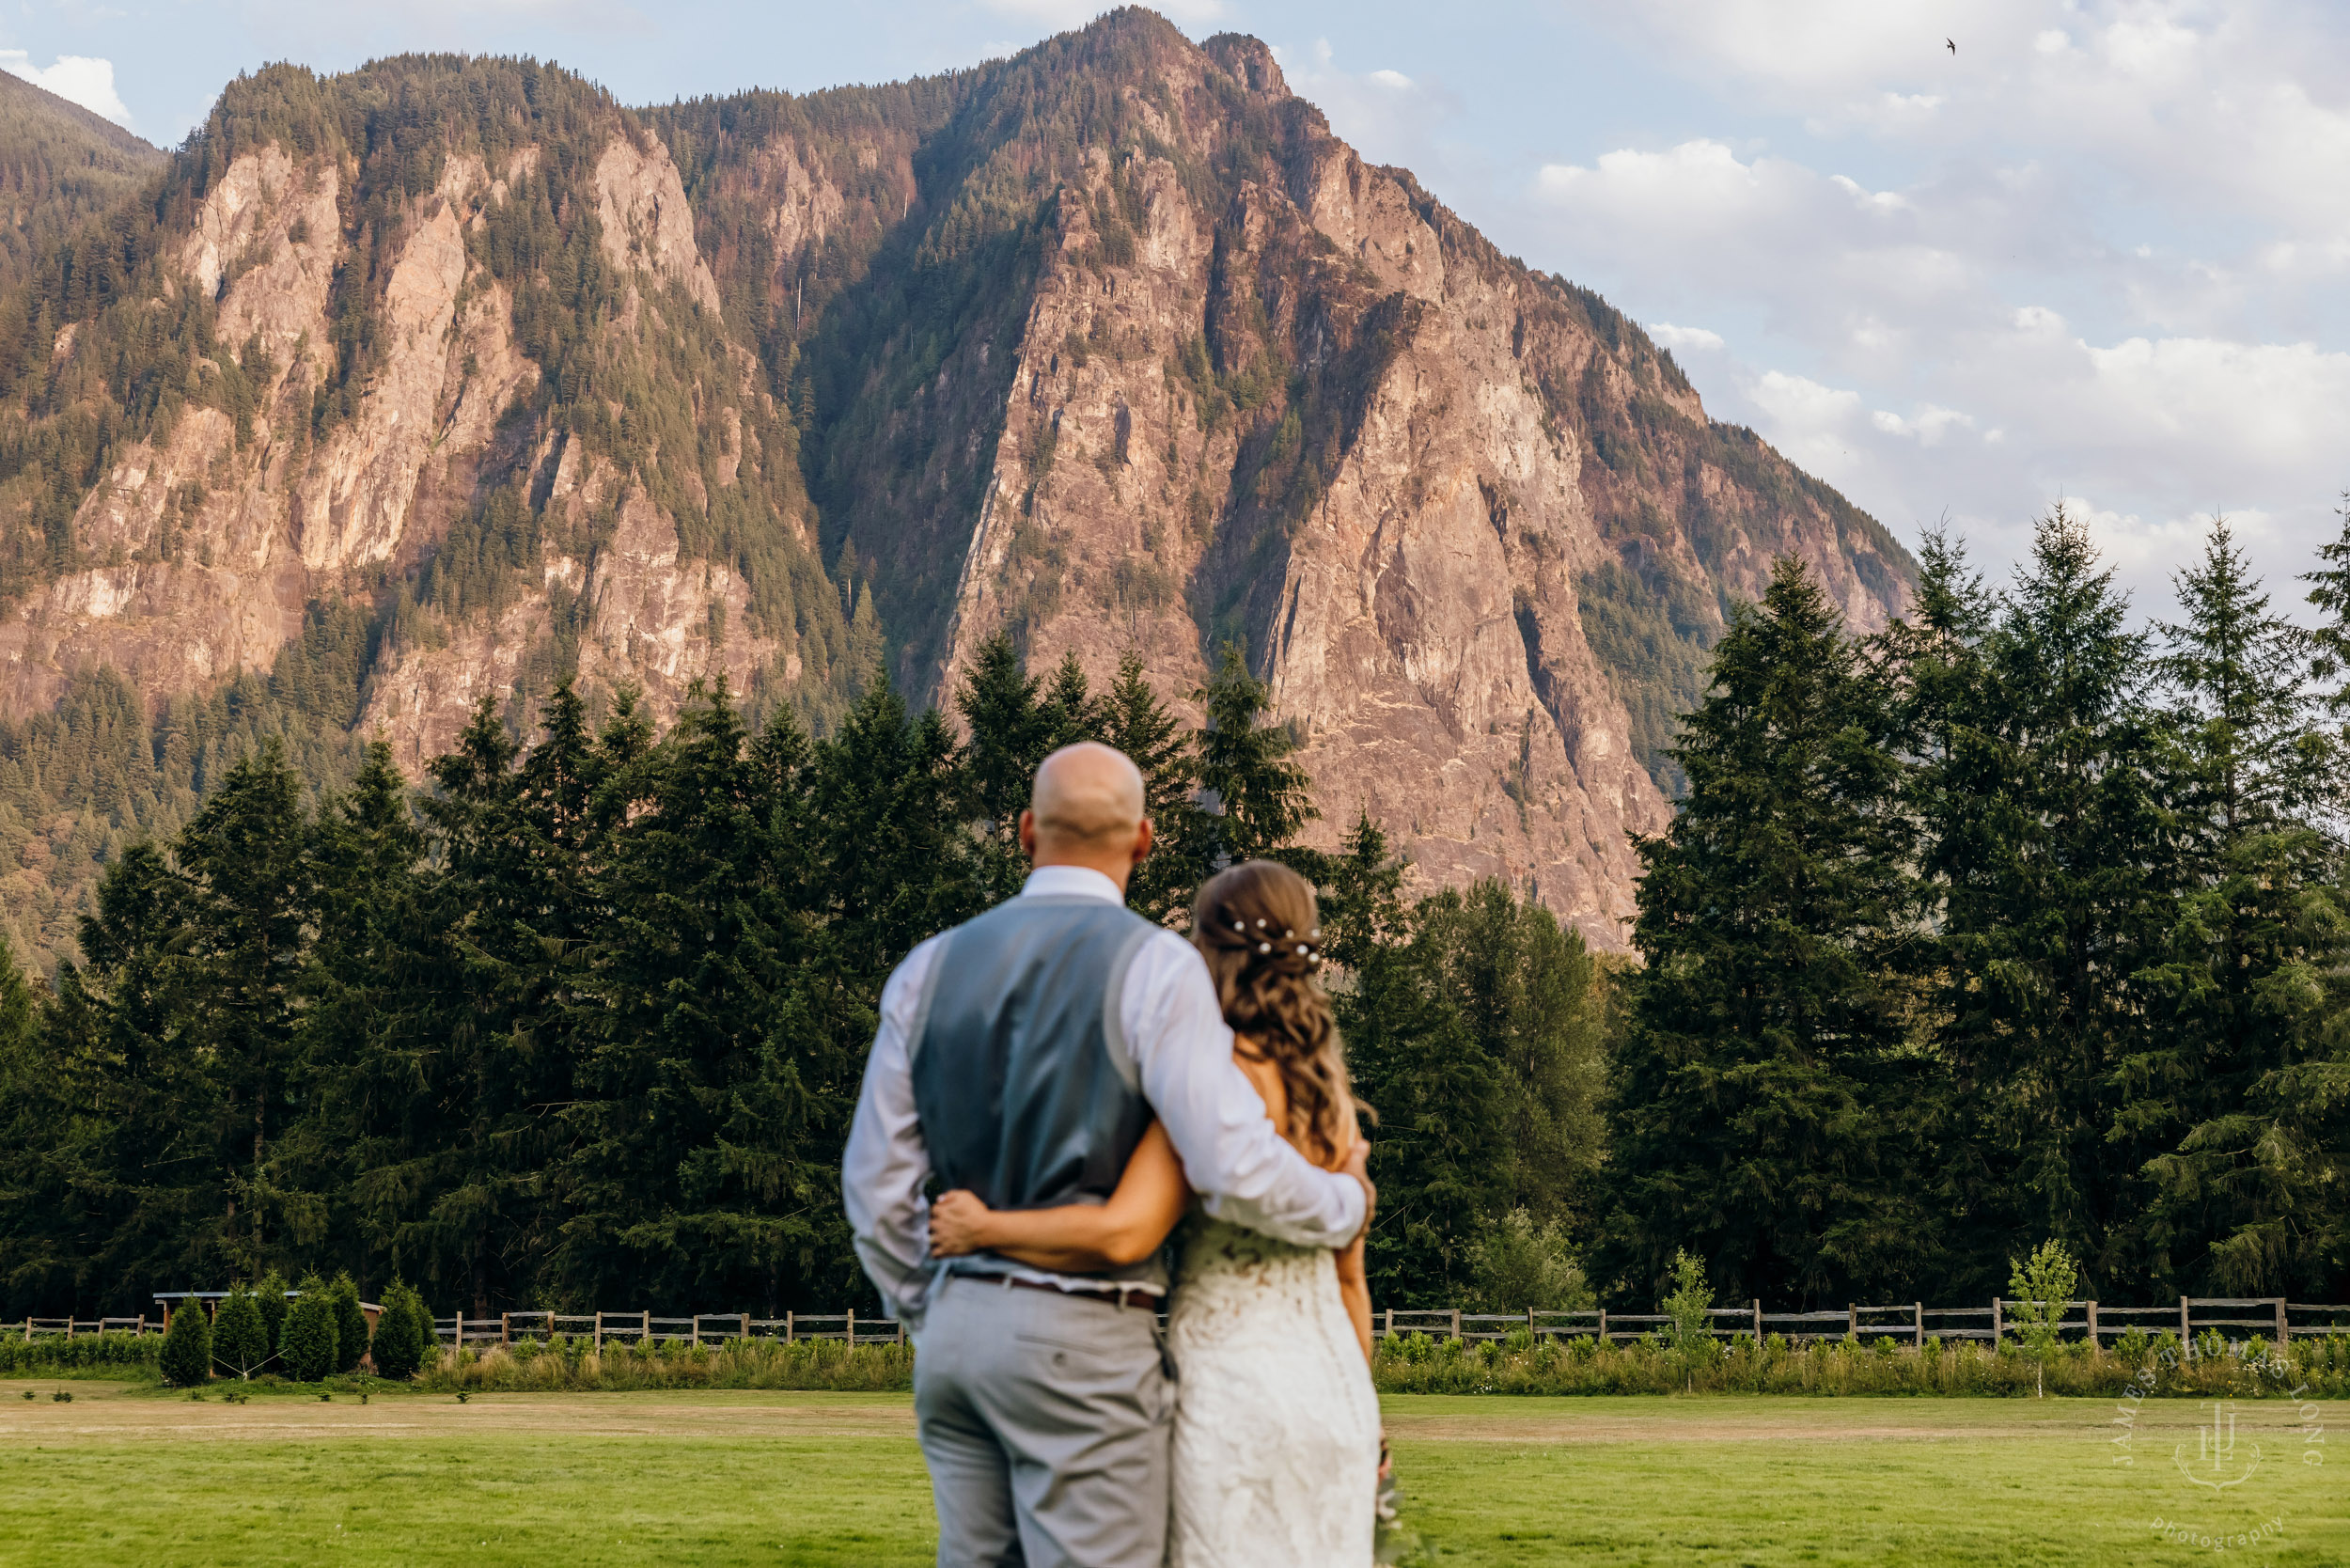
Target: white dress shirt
(1183, 1053)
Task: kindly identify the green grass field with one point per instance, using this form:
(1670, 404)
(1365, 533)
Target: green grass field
(130, 1474)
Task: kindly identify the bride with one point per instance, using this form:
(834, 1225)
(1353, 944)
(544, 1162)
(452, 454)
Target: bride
(1277, 1427)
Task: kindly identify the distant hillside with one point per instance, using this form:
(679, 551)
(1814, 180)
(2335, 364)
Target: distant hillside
(59, 163)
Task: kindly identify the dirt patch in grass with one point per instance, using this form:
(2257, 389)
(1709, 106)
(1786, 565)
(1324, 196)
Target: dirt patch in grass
(134, 1414)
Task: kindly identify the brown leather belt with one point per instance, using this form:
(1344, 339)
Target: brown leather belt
(1115, 1298)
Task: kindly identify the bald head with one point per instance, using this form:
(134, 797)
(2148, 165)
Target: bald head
(1085, 809)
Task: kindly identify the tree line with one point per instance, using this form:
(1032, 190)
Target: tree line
(582, 1022)
(2013, 923)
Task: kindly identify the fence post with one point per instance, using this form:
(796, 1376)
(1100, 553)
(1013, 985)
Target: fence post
(1758, 1323)
(1456, 1323)
(789, 1333)
(1603, 1325)
(2186, 1329)
(1530, 1321)
(1852, 1320)
(506, 1328)
(644, 1336)
(598, 1333)
(901, 1331)
(1390, 1320)
(697, 1330)
(848, 1336)
(1998, 1326)
(2284, 1330)
(745, 1335)
(2093, 1340)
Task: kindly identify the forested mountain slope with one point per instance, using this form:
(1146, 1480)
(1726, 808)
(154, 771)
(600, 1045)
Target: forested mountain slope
(59, 164)
(424, 385)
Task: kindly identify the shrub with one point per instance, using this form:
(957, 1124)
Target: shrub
(1690, 1308)
(398, 1347)
(350, 1324)
(54, 1353)
(307, 1353)
(186, 1361)
(1517, 1265)
(269, 1295)
(240, 1337)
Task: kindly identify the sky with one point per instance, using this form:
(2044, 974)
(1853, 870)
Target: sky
(2097, 253)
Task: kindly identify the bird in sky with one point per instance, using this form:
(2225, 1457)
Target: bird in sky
(1953, 43)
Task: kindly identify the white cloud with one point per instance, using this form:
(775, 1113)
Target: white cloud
(1683, 340)
(2102, 250)
(1387, 115)
(75, 78)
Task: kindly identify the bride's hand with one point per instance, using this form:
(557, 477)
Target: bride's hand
(958, 1224)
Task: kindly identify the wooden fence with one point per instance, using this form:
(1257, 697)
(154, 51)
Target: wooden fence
(701, 1328)
(1914, 1321)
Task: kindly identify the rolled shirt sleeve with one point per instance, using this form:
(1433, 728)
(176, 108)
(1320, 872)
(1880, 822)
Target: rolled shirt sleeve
(1247, 1172)
(886, 1163)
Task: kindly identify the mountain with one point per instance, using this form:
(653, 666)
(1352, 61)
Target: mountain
(421, 386)
(59, 165)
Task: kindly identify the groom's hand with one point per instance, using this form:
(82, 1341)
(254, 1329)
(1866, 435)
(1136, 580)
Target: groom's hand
(1358, 1166)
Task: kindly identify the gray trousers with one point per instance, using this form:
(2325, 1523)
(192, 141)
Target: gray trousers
(1046, 1420)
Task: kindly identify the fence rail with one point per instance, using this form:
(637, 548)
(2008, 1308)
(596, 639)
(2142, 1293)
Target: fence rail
(1912, 1321)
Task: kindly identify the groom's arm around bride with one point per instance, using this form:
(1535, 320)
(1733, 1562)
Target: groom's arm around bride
(1021, 1055)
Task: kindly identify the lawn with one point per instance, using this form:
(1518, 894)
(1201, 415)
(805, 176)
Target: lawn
(129, 1474)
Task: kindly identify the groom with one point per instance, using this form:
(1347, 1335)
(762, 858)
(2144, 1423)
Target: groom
(1022, 1055)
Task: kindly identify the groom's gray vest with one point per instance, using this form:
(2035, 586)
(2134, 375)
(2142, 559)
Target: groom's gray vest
(1023, 1086)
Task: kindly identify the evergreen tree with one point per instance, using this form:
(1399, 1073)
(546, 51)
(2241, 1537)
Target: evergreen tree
(1071, 709)
(350, 1324)
(399, 1346)
(689, 1135)
(307, 1349)
(1011, 732)
(186, 1358)
(2251, 983)
(376, 1012)
(1134, 721)
(1262, 796)
(269, 1294)
(1765, 1068)
(17, 1018)
(1441, 1154)
(239, 1338)
(1362, 902)
(237, 948)
(2052, 849)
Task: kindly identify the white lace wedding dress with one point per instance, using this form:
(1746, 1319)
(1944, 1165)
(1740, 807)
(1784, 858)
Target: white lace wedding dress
(1277, 1427)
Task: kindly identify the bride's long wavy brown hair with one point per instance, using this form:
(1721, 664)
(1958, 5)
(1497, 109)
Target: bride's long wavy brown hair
(1258, 928)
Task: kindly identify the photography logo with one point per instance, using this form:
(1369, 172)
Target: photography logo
(2216, 1464)
(2220, 1488)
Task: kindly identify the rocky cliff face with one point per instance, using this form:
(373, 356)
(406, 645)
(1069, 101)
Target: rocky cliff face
(1230, 383)
(1113, 344)
(337, 463)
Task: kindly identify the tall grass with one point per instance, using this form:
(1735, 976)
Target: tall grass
(566, 1363)
(1416, 1364)
(2155, 1367)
